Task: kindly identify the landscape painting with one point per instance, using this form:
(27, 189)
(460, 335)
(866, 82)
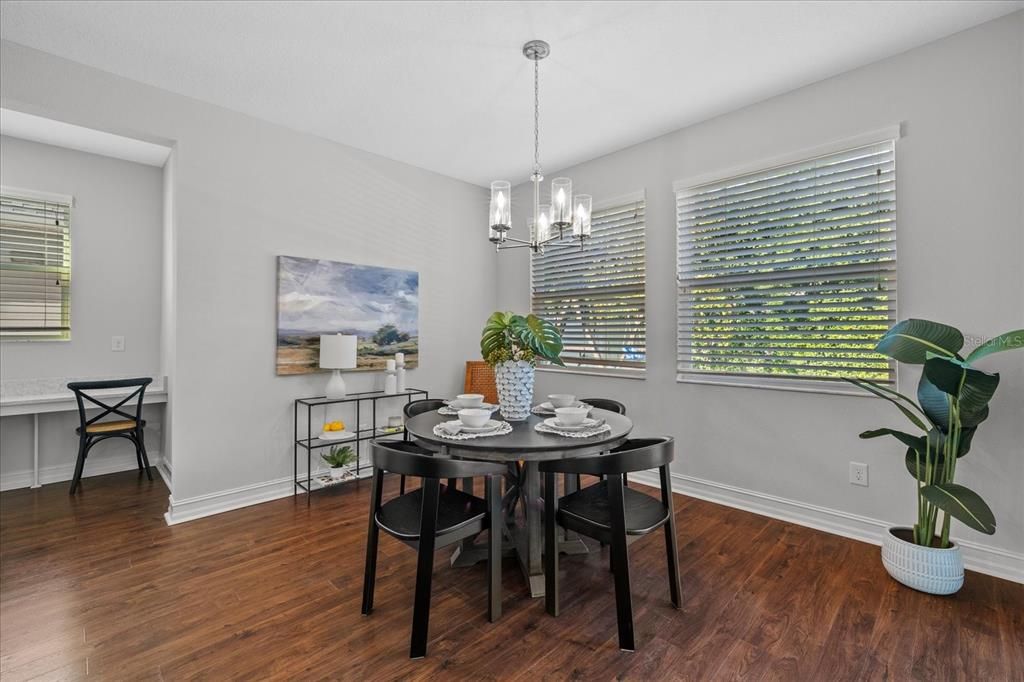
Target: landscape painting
(314, 297)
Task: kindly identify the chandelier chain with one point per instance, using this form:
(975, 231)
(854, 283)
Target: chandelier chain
(536, 117)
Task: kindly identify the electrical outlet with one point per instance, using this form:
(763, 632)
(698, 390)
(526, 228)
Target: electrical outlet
(858, 473)
(117, 344)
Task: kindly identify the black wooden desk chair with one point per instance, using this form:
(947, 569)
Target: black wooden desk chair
(610, 512)
(410, 410)
(429, 518)
(92, 431)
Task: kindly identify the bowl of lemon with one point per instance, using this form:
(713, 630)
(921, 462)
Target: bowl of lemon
(336, 431)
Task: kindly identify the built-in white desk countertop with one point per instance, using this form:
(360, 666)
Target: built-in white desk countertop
(36, 396)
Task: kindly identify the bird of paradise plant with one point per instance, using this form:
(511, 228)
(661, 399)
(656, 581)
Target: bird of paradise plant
(952, 401)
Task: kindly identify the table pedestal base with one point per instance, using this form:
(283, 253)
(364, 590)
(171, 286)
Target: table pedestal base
(523, 530)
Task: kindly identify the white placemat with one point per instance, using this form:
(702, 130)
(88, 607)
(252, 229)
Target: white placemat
(502, 430)
(544, 428)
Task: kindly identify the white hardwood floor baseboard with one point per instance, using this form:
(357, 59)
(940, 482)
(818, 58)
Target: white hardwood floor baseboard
(94, 466)
(993, 561)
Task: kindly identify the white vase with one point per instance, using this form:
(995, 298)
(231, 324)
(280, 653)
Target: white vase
(514, 380)
(339, 472)
(927, 569)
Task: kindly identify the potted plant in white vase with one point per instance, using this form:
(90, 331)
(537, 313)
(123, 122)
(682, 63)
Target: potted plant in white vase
(339, 458)
(511, 344)
(952, 401)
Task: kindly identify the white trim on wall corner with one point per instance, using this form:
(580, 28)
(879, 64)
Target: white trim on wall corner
(59, 473)
(180, 511)
(977, 557)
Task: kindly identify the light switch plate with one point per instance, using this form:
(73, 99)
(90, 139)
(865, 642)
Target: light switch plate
(117, 344)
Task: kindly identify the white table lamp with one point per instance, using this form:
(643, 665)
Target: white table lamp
(337, 352)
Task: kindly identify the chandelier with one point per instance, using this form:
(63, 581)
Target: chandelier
(565, 215)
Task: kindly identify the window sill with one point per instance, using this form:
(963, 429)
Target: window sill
(794, 385)
(624, 374)
(30, 340)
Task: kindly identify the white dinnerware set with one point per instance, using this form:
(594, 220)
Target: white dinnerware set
(565, 415)
(474, 416)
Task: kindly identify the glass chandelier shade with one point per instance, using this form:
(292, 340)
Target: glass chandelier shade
(561, 203)
(500, 210)
(542, 226)
(581, 216)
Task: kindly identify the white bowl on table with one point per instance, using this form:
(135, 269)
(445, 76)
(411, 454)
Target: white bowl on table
(469, 400)
(571, 416)
(474, 418)
(562, 400)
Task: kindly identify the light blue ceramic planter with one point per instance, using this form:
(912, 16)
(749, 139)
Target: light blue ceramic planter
(514, 381)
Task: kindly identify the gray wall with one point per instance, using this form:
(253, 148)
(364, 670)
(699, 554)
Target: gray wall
(243, 192)
(960, 241)
(116, 233)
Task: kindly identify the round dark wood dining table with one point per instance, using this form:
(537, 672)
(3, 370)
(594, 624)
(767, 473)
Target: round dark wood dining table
(522, 450)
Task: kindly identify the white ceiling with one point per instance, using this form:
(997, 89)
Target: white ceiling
(443, 85)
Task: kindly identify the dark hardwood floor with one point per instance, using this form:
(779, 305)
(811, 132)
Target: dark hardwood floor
(99, 586)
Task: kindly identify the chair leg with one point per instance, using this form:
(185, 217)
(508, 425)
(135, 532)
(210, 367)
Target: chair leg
(372, 534)
(401, 485)
(494, 548)
(140, 442)
(550, 545)
(138, 453)
(670, 540)
(424, 569)
(620, 562)
(83, 448)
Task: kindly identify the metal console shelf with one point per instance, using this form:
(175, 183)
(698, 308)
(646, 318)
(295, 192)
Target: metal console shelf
(312, 442)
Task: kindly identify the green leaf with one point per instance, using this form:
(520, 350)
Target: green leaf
(1007, 341)
(973, 387)
(911, 461)
(937, 440)
(495, 332)
(963, 504)
(542, 337)
(934, 403)
(915, 442)
(910, 340)
(881, 391)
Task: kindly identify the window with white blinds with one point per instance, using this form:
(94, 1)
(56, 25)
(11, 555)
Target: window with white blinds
(595, 296)
(790, 273)
(35, 267)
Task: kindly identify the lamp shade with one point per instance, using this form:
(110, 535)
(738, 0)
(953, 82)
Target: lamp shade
(338, 351)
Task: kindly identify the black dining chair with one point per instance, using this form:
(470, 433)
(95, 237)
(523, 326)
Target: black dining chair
(612, 513)
(429, 518)
(604, 404)
(411, 409)
(130, 426)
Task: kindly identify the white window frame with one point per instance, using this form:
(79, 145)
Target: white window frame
(802, 385)
(612, 372)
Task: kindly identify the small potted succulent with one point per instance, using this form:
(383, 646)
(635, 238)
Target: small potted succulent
(511, 344)
(339, 458)
(952, 401)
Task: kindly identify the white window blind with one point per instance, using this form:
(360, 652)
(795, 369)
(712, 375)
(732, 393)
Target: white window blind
(35, 267)
(595, 296)
(790, 272)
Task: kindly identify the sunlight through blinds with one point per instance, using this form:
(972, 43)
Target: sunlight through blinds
(595, 296)
(35, 268)
(791, 271)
